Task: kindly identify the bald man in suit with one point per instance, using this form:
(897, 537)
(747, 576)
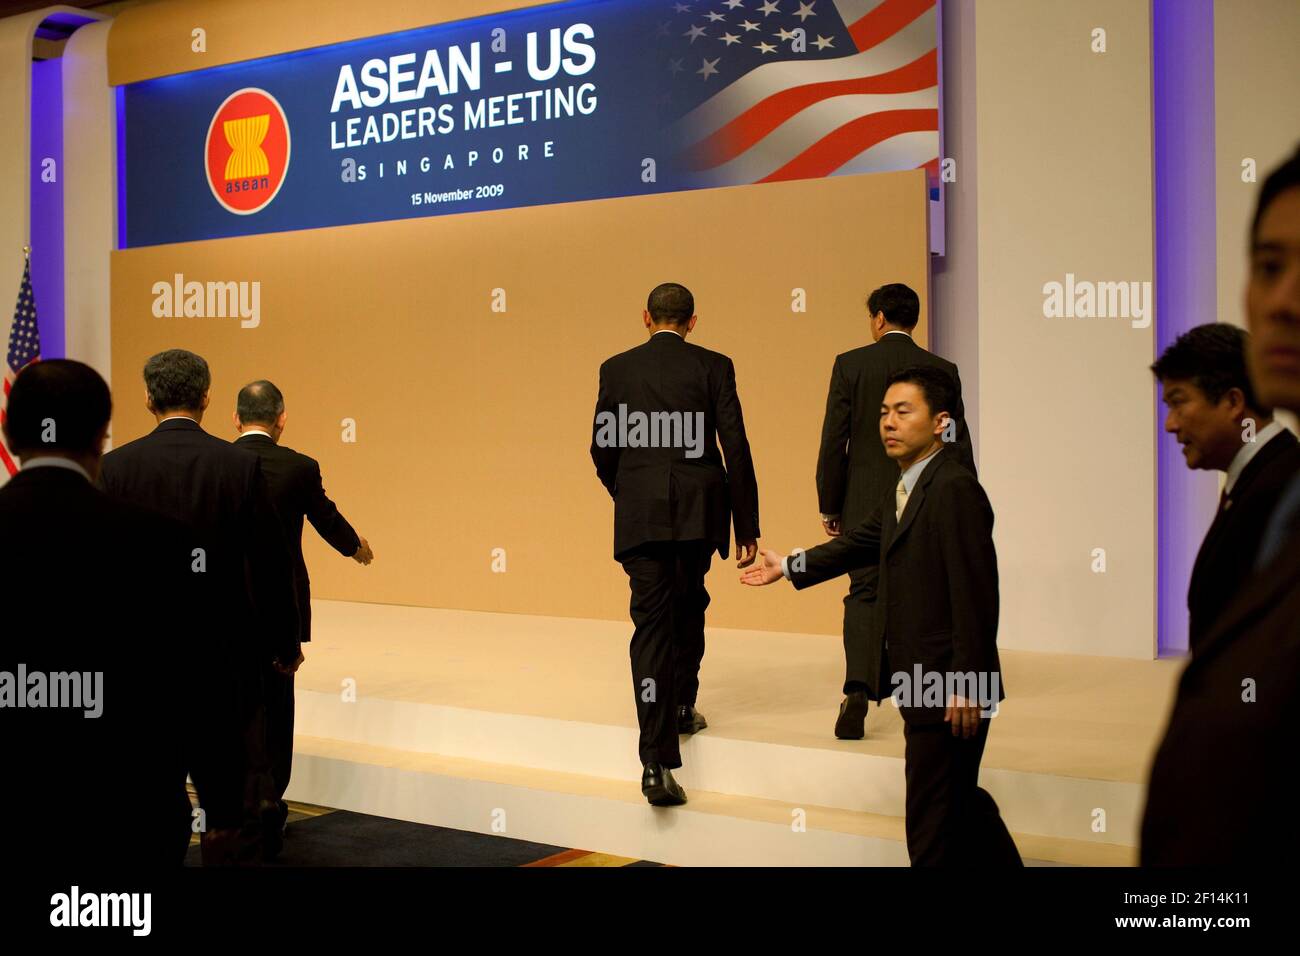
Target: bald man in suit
(294, 483)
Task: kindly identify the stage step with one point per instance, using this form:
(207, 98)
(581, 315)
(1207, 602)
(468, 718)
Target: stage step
(839, 776)
(609, 815)
(501, 710)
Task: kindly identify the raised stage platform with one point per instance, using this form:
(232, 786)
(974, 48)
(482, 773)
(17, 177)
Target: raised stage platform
(525, 726)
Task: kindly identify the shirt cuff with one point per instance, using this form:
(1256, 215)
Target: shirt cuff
(785, 567)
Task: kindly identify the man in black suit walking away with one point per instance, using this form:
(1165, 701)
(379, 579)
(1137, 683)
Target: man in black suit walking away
(94, 589)
(658, 410)
(1222, 425)
(246, 618)
(296, 490)
(854, 474)
(1224, 779)
(938, 602)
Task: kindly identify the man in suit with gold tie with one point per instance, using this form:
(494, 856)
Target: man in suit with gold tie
(932, 541)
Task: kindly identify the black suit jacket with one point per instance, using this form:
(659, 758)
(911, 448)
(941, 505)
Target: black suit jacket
(1224, 561)
(1224, 780)
(853, 472)
(938, 600)
(298, 492)
(218, 491)
(93, 585)
(660, 494)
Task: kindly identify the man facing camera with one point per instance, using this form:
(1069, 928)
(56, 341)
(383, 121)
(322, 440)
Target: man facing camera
(854, 473)
(296, 490)
(938, 604)
(658, 410)
(1222, 425)
(245, 618)
(1224, 779)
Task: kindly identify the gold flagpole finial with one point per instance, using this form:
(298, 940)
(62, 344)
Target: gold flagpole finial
(27, 251)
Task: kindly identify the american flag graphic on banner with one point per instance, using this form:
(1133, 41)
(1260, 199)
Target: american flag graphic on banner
(24, 347)
(770, 90)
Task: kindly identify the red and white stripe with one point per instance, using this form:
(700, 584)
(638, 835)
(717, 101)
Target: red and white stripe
(870, 111)
(8, 466)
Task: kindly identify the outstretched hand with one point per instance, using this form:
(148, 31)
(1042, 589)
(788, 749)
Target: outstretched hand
(767, 572)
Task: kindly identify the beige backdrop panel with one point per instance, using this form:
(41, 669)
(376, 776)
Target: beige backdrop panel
(1254, 81)
(473, 427)
(1067, 406)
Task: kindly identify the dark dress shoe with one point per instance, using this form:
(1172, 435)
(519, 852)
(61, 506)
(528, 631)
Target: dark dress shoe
(275, 816)
(660, 788)
(851, 724)
(690, 720)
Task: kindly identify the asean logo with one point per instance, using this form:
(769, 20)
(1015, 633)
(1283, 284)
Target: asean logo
(247, 151)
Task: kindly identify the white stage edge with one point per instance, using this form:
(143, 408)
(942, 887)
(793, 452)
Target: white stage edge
(525, 726)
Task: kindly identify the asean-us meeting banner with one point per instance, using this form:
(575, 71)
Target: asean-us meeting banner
(570, 101)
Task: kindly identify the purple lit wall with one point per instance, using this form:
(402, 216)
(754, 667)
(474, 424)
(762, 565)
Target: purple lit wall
(47, 204)
(1182, 63)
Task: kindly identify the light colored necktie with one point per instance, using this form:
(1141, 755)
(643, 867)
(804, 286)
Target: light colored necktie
(900, 499)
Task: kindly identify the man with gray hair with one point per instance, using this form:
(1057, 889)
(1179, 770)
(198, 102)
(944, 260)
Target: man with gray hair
(294, 481)
(246, 620)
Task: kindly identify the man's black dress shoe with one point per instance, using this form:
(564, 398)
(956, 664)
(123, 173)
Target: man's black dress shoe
(660, 788)
(851, 724)
(274, 819)
(690, 720)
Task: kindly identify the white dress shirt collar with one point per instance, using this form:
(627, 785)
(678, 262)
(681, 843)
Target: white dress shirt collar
(54, 461)
(1248, 451)
(913, 473)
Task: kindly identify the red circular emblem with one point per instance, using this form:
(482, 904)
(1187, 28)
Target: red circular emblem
(247, 151)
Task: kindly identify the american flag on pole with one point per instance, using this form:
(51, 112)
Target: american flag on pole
(769, 90)
(24, 347)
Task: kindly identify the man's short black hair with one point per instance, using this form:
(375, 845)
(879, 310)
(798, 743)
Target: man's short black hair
(1213, 358)
(901, 305)
(177, 380)
(670, 304)
(259, 403)
(57, 405)
(936, 385)
(1286, 176)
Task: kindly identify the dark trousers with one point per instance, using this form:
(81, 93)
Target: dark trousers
(279, 735)
(864, 642)
(950, 820)
(668, 604)
(227, 723)
(228, 761)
